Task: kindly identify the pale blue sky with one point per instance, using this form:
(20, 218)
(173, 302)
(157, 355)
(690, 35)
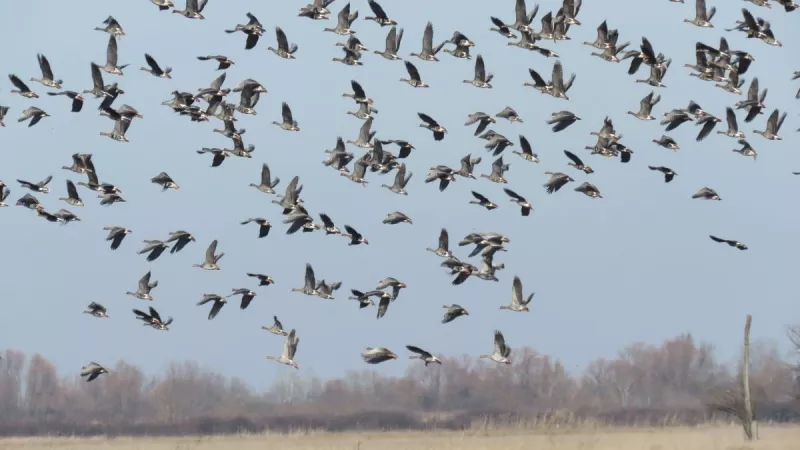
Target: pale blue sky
(635, 265)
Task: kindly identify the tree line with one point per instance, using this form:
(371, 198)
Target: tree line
(669, 383)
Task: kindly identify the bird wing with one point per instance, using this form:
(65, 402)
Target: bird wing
(152, 63)
(427, 39)
(16, 81)
(499, 342)
(480, 197)
(516, 292)
(210, 251)
(44, 64)
(480, 68)
(412, 71)
(144, 282)
(283, 43)
(111, 51)
(377, 9)
(514, 195)
(526, 146)
(286, 112)
(716, 239)
(427, 119)
(418, 351)
(573, 157)
(309, 280)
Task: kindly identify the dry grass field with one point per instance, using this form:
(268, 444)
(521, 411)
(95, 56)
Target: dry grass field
(679, 438)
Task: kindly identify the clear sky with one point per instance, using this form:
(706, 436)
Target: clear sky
(635, 265)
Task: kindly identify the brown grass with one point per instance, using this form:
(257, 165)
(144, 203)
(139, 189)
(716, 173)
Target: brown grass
(678, 438)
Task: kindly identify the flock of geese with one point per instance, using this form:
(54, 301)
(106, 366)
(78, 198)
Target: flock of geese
(719, 64)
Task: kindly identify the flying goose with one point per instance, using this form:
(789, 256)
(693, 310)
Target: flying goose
(354, 236)
(144, 287)
(47, 74)
(557, 181)
(247, 296)
(746, 150)
(518, 303)
(414, 80)
(267, 185)
(393, 40)
(72, 195)
(482, 79)
(667, 142)
(646, 107)
(253, 29)
(359, 95)
(467, 166)
(263, 280)
(482, 119)
(97, 310)
(709, 122)
(113, 27)
(702, 16)
(77, 99)
(276, 328)
(116, 235)
(509, 114)
(284, 50)
(163, 5)
(561, 120)
(364, 135)
(288, 124)
(111, 58)
(431, 124)
(343, 22)
(118, 133)
(773, 126)
(153, 319)
(391, 282)
(525, 206)
(453, 312)
(310, 285)
(396, 217)
(377, 355)
(33, 113)
(733, 126)
(181, 239)
(37, 187)
(224, 61)
(400, 181)
(155, 249)
(380, 15)
(21, 88)
(92, 371)
(193, 9)
(483, 201)
(165, 181)
(443, 249)
(527, 151)
(428, 53)
(577, 163)
(501, 350)
(668, 173)
(211, 259)
(289, 348)
(263, 225)
(707, 193)
(731, 242)
(589, 190)
(155, 69)
(423, 355)
(219, 302)
(498, 169)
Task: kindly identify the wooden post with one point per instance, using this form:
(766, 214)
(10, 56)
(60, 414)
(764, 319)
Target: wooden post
(747, 420)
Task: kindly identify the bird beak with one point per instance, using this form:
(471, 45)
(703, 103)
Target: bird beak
(366, 241)
(466, 312)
